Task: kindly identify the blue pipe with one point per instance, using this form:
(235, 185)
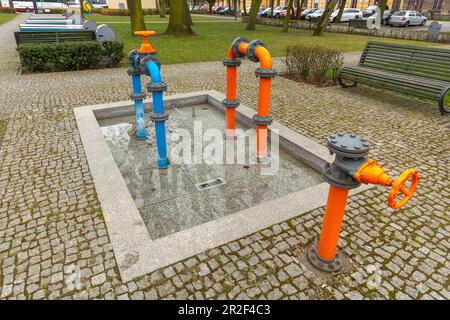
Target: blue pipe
(158, 109)
(139, 107)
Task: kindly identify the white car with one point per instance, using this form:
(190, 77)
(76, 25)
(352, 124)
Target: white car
(347, 15)
(315, 15)
(407, 18)
(277, 11)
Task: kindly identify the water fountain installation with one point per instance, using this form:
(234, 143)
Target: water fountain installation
(158, 217)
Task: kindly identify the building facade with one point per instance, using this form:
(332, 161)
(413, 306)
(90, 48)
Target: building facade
(122, 4)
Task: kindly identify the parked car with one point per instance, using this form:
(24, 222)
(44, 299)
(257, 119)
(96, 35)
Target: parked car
(284, 12)
(385, 20)
(265, 13)
(407, 18)
(278, 10)
(315, 15)
(222, 10)
(369, 11)
(347, 15)
(305, 12)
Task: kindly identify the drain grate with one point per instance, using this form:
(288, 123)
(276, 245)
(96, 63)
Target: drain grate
(210, 184)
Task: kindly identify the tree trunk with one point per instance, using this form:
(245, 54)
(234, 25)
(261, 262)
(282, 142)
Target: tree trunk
(179, 19)
(162, 8)
(383, 4)
(35, 7)
(325, 17)
(244, 3)
(300, 9)
(81, 11)
(188, 14)
(297, 5)
(253, 13)
(136, 15)
(341, 11)
(288, 16)
(272, 5)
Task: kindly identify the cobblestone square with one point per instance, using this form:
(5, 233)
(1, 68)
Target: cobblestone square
(53, 239)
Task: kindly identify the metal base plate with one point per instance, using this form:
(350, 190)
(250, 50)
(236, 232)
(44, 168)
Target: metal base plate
(321, 264)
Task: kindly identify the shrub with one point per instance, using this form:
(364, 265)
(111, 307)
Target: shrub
(313, 64)
(112, 51)
(7, 10)
(69, 55)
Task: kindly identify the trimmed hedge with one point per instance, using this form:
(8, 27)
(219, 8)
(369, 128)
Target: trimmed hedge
(125, 12)
(69, 56)
(7, 10)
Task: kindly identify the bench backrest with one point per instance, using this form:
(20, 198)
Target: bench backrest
(421, 61)
(37, 37)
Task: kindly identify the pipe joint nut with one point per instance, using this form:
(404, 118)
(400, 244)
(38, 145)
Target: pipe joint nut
(157, 87)
(133, 71)
(235, 46)
(230, 103)
(251, 49)
(231, 62)
(266, 73)
(146, 59)
(262, 121)
(137, 96)
(157, 117)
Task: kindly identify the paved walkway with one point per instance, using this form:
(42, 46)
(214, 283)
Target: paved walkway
(51, 224)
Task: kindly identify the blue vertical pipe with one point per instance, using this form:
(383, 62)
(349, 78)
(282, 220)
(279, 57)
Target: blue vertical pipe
(158, 108)
(139, 107)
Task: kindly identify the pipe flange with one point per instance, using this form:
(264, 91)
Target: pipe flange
(138, 96)
(156, 87)
(146, 59)
(333, 265)
(348, 145)
(132, 56)
(252, 48)
(262, 121)
(133, 71)
(231, 62)
(235, 46)
(338, 178)
(266, 73)
(157, 117)
(230, 103)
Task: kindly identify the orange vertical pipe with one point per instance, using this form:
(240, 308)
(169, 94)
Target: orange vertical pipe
(265, 60)
(230, 113)
(334, 213)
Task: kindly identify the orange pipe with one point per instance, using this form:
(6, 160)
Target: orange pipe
(334, 213)
(265, 61)
(230, 113)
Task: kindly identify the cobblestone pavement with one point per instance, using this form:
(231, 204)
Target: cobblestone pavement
(51, 224)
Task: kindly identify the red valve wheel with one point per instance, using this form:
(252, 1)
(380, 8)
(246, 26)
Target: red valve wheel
(399, 185)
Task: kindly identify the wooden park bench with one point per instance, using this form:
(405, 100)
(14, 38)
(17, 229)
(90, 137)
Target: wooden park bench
(423, 72)
(38, 37)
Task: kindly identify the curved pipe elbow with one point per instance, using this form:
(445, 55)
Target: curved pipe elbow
(153, 70)
(264, 57)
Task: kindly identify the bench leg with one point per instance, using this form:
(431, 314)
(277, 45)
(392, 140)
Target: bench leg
(442, 108)
(344, 85)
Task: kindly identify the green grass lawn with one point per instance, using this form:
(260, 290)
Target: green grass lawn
(213, 36)
(5, 17)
